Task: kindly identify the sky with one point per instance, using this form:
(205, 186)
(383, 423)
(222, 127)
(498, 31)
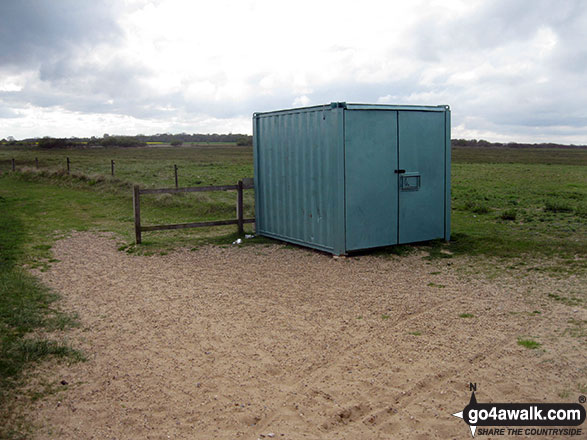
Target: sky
(511, 70)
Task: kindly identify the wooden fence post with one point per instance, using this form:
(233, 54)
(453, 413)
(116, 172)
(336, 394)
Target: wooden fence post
(68, 165)
(112, 167)
(137, 210)
(13, 165)
(36, 162)
(239, 207)
(175, 171)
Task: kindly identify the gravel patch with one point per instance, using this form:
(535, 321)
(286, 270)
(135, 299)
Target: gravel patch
(288, 343)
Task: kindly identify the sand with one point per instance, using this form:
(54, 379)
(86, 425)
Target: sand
(269, 341)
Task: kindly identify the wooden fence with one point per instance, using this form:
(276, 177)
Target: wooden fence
(68, 166)
(239, 221)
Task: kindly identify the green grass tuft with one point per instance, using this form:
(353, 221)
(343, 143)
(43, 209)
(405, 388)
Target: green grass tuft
(509, 214)
(557, 206)
(581, 211)
(480, 209)
(466, 315)
(529, 343)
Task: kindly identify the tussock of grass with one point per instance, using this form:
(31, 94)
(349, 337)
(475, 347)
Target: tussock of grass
(529, 343)
(466, 315)
(390, 251)
(61, 176)
(509, 214)
(480, 209)
(476, 207)
(23, 351)
(581, 211)
(557, 206)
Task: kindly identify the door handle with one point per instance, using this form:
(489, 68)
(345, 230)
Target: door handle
(399, 171)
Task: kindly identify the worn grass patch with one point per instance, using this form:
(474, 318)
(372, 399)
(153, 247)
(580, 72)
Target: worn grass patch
(26, 307)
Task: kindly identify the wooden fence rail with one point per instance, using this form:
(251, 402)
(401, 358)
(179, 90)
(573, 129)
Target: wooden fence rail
(69, 167)
(239, 221)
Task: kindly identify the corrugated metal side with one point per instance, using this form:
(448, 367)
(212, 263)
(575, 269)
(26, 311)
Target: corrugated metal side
(298, 175)
(447, 171)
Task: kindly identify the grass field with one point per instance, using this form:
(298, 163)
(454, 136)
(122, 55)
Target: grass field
(506, 202)
(526, 208)
(148, 166)
(545, 156)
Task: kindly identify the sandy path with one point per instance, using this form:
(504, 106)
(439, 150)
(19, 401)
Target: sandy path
(235, 342)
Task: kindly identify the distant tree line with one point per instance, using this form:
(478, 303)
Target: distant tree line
(140, 140)
(240, 139)
(48, 142)
(484, 143)
(110, 141)
(188, 138)
(117, 141)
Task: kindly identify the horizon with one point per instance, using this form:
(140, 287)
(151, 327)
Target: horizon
(113, 135)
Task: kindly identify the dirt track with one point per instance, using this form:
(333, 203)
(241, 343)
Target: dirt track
(236, 342)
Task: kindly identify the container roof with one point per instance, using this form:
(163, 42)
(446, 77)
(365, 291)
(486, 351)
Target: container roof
(354, 106)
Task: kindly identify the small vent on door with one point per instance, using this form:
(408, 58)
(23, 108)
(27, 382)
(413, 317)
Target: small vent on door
(410, 182)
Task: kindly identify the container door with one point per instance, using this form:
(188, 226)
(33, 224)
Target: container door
(371, 184)
(421, 177)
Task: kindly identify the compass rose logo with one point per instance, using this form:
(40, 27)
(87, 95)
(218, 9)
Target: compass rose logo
(472, 402)
(548, 415)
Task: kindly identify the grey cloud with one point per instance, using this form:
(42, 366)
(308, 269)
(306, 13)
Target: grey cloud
(116, 87)
(501, 22)
(118, 78)
(494, 24)
(34, 31)
(348, 91)
(7, 112)
(51, 39)
(539, 99)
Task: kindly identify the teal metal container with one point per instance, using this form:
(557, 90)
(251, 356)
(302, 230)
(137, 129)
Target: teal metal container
(345, 177)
